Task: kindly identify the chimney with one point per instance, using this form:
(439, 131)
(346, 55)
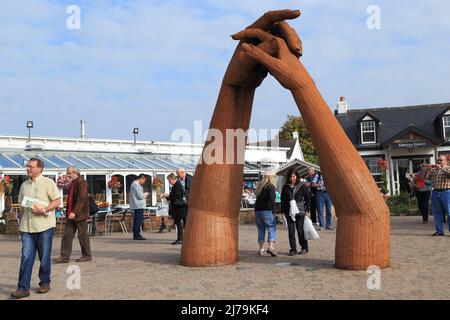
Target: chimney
(83, 129)
(342, 106)
(295, 135)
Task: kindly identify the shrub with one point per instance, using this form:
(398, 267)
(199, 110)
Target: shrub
(402, 204)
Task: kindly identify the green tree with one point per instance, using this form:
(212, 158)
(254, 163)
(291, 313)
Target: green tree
(297, 124)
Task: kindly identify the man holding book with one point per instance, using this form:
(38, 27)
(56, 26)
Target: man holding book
(39, 197)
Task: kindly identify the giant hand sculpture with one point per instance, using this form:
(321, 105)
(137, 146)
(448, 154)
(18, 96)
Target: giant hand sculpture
(363, 230)
(211, 234)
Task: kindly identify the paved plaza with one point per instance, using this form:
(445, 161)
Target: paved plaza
(127, 269)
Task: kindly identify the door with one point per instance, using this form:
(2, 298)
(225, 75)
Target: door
(403, 170)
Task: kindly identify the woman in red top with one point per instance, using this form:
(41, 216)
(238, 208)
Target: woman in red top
(423, 193)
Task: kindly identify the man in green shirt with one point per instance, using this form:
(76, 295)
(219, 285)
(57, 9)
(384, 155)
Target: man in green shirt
(39, 197)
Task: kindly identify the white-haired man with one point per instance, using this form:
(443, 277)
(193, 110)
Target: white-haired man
(77, 214)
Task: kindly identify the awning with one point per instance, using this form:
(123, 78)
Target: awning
(104, 161)
(298, 165)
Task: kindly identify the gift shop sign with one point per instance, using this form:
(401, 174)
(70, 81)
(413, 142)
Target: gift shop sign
(412, 145)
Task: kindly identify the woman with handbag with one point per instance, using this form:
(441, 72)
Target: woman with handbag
(295, 201)
(265, 210)
(423, 193)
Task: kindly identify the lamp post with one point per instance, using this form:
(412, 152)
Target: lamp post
(135, 132)
(29, 126)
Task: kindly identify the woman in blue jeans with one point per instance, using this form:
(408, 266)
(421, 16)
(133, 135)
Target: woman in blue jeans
(265, 210)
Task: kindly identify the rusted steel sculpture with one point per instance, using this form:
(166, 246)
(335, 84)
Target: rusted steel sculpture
(363, 230)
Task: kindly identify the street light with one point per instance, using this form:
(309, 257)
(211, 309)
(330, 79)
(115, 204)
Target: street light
(29, 126)
(135, 132)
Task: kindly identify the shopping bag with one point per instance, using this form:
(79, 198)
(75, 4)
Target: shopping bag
(308, 230)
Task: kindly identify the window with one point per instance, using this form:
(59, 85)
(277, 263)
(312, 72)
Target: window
(368, 134)
(373, 168)
(446, 126)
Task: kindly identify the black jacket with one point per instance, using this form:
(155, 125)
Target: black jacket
(187, 184)
(301, 197)
(176, 193)
(265, 201)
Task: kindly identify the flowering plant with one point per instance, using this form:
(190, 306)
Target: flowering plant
(6, 185)
(63, 182)
(114, 183)
(382, 166)
(156, 183)
(103, 204)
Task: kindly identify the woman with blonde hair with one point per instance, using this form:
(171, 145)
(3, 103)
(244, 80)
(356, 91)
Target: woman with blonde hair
(265, 213)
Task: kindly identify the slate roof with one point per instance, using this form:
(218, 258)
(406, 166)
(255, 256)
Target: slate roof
(393, 121)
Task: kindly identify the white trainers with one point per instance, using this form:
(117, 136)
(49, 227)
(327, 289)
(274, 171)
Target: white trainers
(261, 252)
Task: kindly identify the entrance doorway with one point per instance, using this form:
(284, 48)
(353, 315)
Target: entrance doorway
(402, 173)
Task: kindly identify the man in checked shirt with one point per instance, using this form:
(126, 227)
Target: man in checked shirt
(440, 197)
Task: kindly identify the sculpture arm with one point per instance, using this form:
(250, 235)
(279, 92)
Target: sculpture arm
(350, 184)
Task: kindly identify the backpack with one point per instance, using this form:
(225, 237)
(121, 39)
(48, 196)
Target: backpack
(93, 208)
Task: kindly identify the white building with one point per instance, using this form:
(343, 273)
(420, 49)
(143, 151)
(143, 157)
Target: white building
(101, 159)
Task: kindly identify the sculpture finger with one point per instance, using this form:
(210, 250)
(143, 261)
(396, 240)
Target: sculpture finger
(290, 36)
(253, 33)
(270, 17)
(260, 56)
(269, 47)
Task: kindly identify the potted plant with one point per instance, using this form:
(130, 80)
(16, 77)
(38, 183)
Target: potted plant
(382, 166)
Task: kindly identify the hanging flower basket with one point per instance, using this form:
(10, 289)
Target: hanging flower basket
(156, 183)
(114, 184)
(63, 182)
(6, 185)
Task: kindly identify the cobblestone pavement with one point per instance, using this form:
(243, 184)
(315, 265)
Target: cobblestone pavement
(127, 269)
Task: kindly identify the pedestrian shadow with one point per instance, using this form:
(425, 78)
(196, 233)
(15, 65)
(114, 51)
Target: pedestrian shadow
(312, 264)
(6, 289)
(166, 258)
(135, 242)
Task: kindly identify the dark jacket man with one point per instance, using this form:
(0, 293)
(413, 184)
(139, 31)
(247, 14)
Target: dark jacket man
(77, 212)
(80, 199)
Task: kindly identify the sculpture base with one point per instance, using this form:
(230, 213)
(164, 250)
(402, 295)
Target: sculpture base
(361, 243)
(213, 242)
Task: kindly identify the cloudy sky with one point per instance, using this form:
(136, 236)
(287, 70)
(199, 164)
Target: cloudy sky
(158, 65)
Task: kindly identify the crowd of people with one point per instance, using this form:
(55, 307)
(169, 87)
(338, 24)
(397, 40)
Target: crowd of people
(312, 199)
(39, 196)
(298, 200)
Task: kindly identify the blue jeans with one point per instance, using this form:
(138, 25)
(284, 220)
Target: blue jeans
(323, 200)
(137, 222)
(266, 220)
(32, 242)
(440, 202)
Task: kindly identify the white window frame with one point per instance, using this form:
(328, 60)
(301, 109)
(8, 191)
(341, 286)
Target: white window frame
(444, 126)
(368, 131)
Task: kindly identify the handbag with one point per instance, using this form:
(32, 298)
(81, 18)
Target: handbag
(180, 202)
(308, 230)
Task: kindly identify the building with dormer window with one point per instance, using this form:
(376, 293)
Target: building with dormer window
(405, 136)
